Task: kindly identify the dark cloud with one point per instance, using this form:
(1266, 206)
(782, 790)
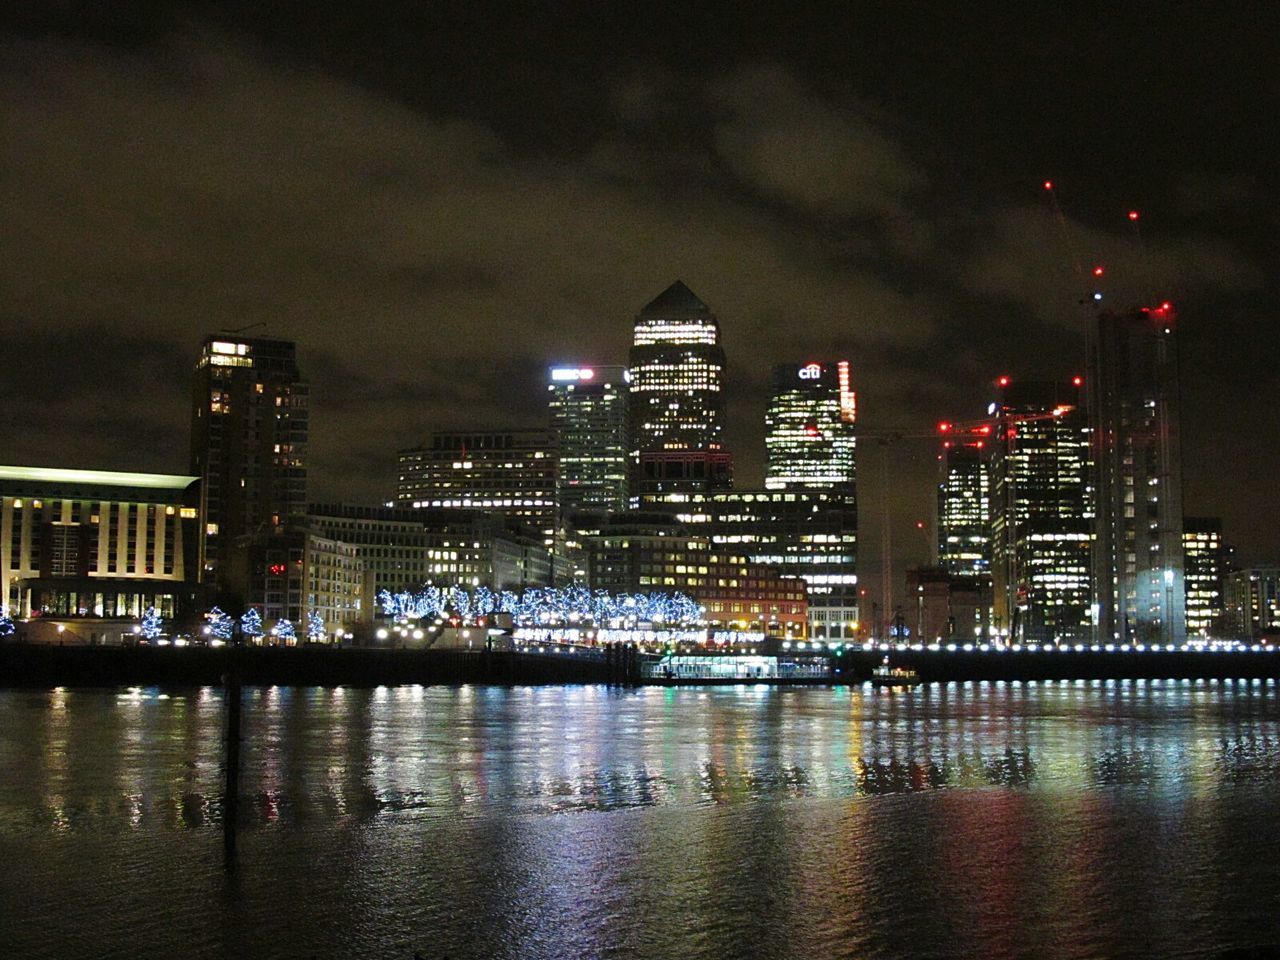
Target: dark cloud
(437, 202)
(785, 141)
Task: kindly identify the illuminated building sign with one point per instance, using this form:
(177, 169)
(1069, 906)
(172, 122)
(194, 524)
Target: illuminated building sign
(848, 399)
(811, 372)
(571, 374)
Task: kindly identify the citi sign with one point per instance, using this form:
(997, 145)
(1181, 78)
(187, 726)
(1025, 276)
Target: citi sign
(811, 371)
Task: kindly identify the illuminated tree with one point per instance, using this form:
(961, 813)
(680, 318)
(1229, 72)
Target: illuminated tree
(152, 623)
(315, 626)
(220, 624)
(251, 623)
(284, 629)
(6, 623)
(544, 605)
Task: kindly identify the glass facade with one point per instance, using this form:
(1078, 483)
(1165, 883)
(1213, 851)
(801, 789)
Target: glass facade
(1203, 570)
(676, 368)
(1041, 514)
(589, 414)
(964, 510)
(811, 534)
(809, 427)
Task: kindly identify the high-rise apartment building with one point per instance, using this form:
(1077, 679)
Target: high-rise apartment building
(676, 367)
(1138, 569)
(964, 509)
(248, 442)
(1204, 567)
(590, 416)
(809, 428)
(1041, 513)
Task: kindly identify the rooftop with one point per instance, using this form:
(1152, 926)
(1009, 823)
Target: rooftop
(677, 298)
(110, 478)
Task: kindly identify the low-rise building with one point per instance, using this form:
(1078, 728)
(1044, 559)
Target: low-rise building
(737, 594)
(807, 533)
(96, 545)
(404, 548)
(942, 607)
(1252, 602)
(291, 572)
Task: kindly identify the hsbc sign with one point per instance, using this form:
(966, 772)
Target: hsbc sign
(811, 371)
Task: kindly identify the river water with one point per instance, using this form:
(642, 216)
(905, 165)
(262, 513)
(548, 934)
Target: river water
(1069, 819)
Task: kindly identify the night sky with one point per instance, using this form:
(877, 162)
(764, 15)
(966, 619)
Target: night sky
(436, 200)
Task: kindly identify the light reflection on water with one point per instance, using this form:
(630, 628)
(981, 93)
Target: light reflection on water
(998, 818)
(83, 757)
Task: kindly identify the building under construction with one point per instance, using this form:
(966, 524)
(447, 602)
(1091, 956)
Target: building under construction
(1138, 562)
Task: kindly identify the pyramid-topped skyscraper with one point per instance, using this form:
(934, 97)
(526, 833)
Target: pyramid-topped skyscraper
(677, 363)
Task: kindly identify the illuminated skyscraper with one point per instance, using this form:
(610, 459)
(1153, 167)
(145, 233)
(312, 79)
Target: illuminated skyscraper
(1138, 569)
(590, 416)
(1204, 564)
(676, 368)
(248, 442)
(964, 510)
(809, 428)
(1041, 513)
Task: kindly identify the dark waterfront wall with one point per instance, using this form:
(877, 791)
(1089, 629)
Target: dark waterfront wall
(943, 666)
(22, 665)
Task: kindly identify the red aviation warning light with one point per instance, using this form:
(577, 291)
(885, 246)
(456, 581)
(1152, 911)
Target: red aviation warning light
(944, 427)
(1048, 184)
(1098, 271)
(1133, 214)
(1002, 381)
(1077, 381)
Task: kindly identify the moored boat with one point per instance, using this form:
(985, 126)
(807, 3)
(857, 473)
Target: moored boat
(889, 676)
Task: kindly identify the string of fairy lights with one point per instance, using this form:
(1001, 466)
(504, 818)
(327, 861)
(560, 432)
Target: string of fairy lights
(542, 605)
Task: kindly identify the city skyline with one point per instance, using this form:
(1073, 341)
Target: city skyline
(910, 236)
(703, 480)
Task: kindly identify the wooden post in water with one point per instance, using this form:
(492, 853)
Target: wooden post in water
(231, 782)
(632, 671)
